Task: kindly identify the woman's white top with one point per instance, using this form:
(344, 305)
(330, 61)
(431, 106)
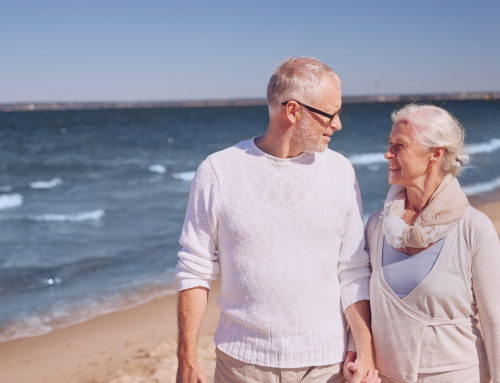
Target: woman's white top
(405, 272)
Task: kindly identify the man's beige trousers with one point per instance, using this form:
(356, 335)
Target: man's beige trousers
(230, 370)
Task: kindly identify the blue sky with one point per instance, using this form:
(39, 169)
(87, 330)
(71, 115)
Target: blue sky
(162, 50)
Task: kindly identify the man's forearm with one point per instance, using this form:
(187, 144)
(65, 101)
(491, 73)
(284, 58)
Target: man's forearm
(359, 319)
(192, 305)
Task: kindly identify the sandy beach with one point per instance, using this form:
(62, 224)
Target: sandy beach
(132, 346)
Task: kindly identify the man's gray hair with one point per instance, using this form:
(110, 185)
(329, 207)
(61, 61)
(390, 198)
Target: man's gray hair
(435, 127)
(298, 78)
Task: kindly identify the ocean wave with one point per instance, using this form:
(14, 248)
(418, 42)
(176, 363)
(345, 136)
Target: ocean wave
(371, 158)
(46, 184)
(184, 176)
(5, 188)
(157, 169)
(482, 187)
(78, 217)
(78, 312)
(483, 147)
(10, 200)
(367, 158)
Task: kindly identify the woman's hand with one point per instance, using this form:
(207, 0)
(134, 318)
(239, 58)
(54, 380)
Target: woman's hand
(350, 368)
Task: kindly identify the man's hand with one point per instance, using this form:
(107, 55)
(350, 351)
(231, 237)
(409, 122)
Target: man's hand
(190, 311)
(360, 365)
(353, 372)
(190, 372)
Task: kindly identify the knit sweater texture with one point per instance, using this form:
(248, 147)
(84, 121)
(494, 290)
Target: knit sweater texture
(286, 237)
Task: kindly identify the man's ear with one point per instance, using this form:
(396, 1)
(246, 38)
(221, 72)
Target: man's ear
(292, 112)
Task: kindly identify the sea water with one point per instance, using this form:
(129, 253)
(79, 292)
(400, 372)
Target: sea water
(92, 202)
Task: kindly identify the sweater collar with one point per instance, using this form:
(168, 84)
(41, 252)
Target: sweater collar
(303, 158)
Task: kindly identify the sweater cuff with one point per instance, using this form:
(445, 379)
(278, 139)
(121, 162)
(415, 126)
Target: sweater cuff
(189, 283)
(356, 291)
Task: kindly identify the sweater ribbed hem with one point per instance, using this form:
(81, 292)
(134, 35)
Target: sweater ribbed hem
(304, 347)
(185, 284)
(356, 291)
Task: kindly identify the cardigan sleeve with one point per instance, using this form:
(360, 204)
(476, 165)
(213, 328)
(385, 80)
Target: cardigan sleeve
(486, 286)
(353, 269)
(198, 260)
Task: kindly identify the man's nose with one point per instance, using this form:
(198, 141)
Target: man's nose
(336, 124)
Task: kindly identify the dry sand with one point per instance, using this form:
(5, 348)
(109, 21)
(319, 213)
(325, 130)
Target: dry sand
(133, 346)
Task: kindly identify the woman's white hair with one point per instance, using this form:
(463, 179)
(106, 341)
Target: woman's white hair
(435, 127)
(298, 78)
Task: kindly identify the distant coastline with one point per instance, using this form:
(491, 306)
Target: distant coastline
(46, 106)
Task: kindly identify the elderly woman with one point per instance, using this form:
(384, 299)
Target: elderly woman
(435, 261)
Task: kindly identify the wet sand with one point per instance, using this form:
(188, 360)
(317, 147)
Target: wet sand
(133, 346)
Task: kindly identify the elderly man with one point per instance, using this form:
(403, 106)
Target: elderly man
(279, 217)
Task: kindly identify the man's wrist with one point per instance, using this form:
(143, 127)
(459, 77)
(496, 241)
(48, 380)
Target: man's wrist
(187, 358)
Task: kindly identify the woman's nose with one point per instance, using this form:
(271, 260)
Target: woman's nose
(388, 155)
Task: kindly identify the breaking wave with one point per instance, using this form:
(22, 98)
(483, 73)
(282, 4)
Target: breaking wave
(46, 184)
(184, 176)
(69, 314)
(483, 147)
(158, 169)
(371, 158)
(482, 187)
(10, 200)
(366, 159)
(78, 217)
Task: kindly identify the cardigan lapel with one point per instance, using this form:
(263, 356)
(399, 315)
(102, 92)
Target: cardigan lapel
(435, 271)
(402, 304)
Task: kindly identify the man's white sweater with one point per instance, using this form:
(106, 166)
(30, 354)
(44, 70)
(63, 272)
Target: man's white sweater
(286, 236)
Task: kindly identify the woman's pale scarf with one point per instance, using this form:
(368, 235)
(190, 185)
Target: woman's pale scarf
(443, 212)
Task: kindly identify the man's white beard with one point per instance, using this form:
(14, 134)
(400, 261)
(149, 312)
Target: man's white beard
(306, 138)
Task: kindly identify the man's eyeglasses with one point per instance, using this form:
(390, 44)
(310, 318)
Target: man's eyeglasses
(330, 116)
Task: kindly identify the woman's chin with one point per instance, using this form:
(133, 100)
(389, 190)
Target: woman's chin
(392, 180)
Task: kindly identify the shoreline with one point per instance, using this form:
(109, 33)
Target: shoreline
(148, 296)
(114, 347)
(134, 345)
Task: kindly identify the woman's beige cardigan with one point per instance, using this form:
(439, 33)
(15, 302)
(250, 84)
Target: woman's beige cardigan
(433, 328)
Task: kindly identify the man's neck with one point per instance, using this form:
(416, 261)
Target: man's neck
(276, 144)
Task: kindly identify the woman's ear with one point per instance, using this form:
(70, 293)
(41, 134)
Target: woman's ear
(437, 155)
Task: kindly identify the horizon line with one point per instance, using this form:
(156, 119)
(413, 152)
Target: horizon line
(95, 105)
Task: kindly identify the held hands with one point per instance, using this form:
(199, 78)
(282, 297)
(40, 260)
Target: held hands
(359, 371)
(190, 372)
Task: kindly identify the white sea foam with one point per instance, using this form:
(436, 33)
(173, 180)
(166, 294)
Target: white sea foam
(10, 200)
(482, 187)
(158, 169)
(81, 311)
(78, 217)
(483, 147)
(367, 158)
(46, 184)
(184, 176)
(5, 188)
(371, 158)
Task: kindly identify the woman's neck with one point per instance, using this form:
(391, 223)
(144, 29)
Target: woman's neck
(418, 196)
